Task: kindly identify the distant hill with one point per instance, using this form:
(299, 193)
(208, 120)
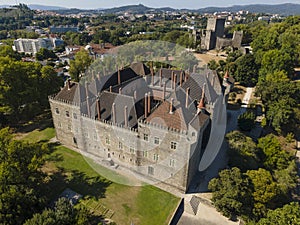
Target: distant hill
(45, 7)
(282, 9)
(128, 8)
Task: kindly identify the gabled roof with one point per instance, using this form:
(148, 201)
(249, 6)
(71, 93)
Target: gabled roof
(140, 68)
(195, 83)
(106, 103)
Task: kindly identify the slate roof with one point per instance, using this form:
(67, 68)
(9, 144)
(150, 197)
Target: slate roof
(140, 68)
(106, 102)
(195, 83)
(67, 95)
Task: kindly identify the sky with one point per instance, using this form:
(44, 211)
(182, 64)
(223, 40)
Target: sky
(190, 4)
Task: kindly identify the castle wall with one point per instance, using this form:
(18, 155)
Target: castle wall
(148, 151)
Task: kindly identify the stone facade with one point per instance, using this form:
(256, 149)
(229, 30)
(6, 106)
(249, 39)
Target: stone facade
(158, 136)
(213, 37)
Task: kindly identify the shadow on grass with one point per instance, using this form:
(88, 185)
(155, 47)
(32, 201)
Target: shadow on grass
(40, 123)
(94, 187)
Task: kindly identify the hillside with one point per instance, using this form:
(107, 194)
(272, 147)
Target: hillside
(282, 9)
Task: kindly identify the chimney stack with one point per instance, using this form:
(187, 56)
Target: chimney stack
(87, 99)
(164, 91)
(172, 79)
(175, 81)
(171, 106)
(181, 75)
(69, 84)
(160, 77)
(126, 116)
(120, 90)
(187, 97)
(110, 88)
(98, 108)
(194, 68)
(145, 104)
(149, 102)
(114, 112)
(119, 76)
(152, 76)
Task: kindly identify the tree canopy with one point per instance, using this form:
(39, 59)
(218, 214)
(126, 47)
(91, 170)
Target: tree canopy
(80, 64)
(24, 87)
(20, 178)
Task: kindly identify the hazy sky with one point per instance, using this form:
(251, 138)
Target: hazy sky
(193, 4)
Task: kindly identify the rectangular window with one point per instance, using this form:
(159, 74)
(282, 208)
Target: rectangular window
(69, 127)
(120, 145)
(155, 157)
(146, 137)
(173, 145)
(67, 114)
(56, 110)
(107, 141)
(172, 163)
(156, 140)
(150, 170)
(145, 154)
(131, 149)
(75, 116)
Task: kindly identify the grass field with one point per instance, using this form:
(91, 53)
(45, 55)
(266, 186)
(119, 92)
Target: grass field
(124, 204)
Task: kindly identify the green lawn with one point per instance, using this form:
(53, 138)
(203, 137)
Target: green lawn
(40, 135)
(140, 204)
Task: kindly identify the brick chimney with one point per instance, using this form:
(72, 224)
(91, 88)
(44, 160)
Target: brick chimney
(152, 76)
(98, 108)
(181, 76)
(87, 99)
(149, 103)
(69, 84)
(110, 88)
(187, 97)
(164, 92)
(114, 113)
(175, 81)
(194, 68)
(145, 104)
(126, 116)
(171, 106)
(119, 76)
(160, 77)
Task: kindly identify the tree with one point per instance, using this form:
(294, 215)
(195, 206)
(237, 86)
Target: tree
(20, 178)
(243, 152)
(64, 213)
(24, 88)
(265, 192)
(246, 70)
(288, 214)
(287, 179)
(8, 51)
(80, 64)
(246, 121)
(275, 158)
(45, 53)
(231, 193)
(280, 95)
